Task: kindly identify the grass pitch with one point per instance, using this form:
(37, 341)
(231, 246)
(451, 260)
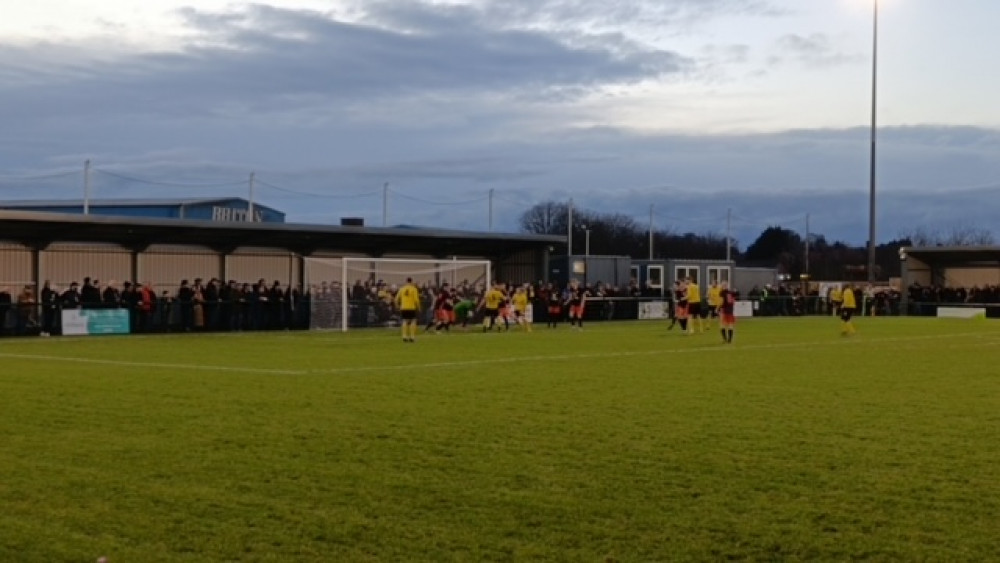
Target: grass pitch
(624, 442)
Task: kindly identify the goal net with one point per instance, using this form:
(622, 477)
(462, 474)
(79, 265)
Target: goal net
(348, 293)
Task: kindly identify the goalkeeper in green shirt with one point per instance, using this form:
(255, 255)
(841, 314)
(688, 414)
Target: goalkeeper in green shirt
(463, 310)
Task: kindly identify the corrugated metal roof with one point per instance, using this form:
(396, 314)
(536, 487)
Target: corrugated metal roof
(39, 228)
(13, 204)
(954, 255)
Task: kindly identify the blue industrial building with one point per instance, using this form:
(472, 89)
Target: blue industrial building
(225, 210)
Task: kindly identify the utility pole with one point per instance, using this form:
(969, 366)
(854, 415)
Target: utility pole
(253, 179)
(651, 231)
(569, 226)
(86, 187)
(385, 204)
(807, 246)
(729, 238)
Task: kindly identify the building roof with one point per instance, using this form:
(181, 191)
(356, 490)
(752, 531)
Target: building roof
(128, 202)
(954, 255)
(39, 229)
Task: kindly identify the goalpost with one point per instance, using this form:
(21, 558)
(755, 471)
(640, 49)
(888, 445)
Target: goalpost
(352, 292)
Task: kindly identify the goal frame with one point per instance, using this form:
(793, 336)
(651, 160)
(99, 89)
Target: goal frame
(452, 264)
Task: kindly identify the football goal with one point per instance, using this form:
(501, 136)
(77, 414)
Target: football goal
(353, 292)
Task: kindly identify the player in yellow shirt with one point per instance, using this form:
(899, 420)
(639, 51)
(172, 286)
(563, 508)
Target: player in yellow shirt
(408, 302)
(847, 307)
(491, 306)
(694, 306)
(520, 302)
(836, 297)
(714, 301)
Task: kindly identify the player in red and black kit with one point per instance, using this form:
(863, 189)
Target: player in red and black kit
(577, 300)
(727, 313)
(680, 306)
(444, 310)
(554, 302)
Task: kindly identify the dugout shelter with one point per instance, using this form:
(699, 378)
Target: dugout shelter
(950, 266)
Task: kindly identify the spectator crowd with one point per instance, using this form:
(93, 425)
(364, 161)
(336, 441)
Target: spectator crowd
(215, 306)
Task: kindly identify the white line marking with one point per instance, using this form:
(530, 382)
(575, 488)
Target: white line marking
(981, 340)
(99, 361)
(719, 346)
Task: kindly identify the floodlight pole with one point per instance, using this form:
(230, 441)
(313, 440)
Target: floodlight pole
(874, 132)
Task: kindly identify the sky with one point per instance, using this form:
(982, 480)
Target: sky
(472, 111)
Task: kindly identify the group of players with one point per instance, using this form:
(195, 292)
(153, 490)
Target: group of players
(499, 304)
(689, 310)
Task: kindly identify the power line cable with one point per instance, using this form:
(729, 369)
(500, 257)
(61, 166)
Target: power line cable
(429, 202)
(311, 194)
(171, 184)
(50, 176)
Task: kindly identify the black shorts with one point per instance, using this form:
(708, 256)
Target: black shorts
(713, 310)
(846, 314)
(491, 313)
(695, 310)
(408, 314)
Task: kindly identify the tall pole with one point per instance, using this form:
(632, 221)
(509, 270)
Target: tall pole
(86, 187)
(253, 178)
(385, 204)
(491, 210)
(569, 227)
(729, 240)
(650, 231)
(807, 246)
(871, 194)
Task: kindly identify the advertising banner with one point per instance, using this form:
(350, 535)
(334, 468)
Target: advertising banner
(654, 310)
(83, 322)
(744, 308)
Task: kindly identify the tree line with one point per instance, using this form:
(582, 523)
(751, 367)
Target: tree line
(776, 247)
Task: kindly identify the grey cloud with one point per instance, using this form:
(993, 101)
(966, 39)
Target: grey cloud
(815, 50)
(672, 15)
(727, 54)
(268, 59)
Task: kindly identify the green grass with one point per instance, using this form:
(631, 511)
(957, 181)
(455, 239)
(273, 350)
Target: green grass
(624, 442)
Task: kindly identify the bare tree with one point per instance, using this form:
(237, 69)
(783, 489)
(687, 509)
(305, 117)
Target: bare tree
(969, 236)
(961, 235)
(546, 218)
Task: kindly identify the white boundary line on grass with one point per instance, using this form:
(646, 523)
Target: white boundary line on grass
(156, 365)
(508, 360)
(698, 349)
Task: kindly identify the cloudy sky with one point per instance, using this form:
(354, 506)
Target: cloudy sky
(691, 106)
